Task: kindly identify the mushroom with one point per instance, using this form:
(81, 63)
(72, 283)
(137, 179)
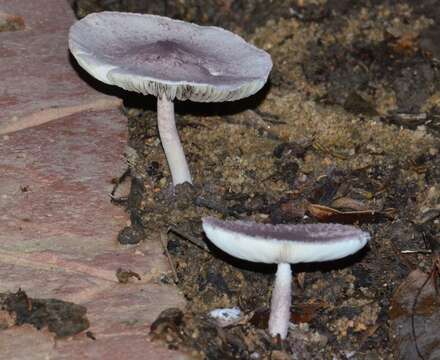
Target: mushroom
(283, 245)
(169, 59)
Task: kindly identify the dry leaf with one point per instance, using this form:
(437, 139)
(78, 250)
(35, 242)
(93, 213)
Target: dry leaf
(328, 214)
(415, 310)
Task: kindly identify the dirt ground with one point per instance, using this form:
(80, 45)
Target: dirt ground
(347, 130)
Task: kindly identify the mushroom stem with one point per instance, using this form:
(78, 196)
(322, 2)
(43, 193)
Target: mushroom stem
(170, 141)
(281, 300)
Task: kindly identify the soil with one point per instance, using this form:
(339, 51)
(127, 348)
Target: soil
(60, 317)
(347, 130)
(9, 22)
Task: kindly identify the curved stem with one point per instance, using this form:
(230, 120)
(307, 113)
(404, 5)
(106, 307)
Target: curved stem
(281, 299)
(171, 142)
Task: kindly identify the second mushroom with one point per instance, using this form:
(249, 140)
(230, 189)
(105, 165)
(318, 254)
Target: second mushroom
(284, 245)
(169, 59)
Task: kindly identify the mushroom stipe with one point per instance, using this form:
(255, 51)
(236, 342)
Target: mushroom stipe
(284, 245)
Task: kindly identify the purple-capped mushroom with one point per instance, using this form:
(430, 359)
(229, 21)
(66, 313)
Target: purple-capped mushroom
(169, 59)
(284, 245)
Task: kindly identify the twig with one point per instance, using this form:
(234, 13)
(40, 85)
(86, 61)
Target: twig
(123, 199)
(196, 242)
(433, 274)
(163, 242)
(420, 251)
(212, 205)
(413, 309)
(270, 118)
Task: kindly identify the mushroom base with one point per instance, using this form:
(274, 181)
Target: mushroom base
(281, 300)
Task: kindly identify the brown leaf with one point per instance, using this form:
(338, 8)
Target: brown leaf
(415, 310)
(304, 313)
(328, 214)
(349, 203)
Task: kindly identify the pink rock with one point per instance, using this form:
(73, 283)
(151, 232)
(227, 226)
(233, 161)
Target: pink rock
(39, 345)
(55, 181)
(38, 81)
(58, 228)
(116, 347)
(58, 223)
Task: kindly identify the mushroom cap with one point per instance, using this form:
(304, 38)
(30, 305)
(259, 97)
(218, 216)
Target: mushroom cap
(293, 243)
(160, 56)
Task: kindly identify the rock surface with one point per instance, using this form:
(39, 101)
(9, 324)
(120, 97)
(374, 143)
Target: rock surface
(58, 228)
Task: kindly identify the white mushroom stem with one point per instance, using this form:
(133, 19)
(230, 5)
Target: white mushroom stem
(281, 299)
(171, 142)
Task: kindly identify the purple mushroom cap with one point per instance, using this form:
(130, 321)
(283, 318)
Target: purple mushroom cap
(156, 55)
(283, 243)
